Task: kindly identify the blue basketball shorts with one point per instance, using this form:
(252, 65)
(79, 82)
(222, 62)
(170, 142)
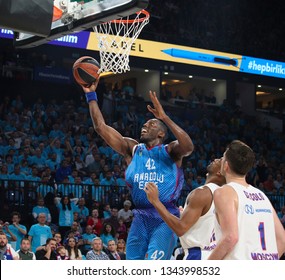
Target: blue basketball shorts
(149, 238)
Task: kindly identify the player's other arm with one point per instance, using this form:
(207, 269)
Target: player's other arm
(190, 215)
(111, 136)
(181, 147)
(225, 200)
(279, 233)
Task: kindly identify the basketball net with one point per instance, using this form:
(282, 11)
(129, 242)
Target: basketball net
(115, 40)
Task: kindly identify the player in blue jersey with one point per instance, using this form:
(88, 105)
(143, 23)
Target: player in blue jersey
(148, 161)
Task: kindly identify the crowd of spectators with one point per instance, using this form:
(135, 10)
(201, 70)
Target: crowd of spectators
(54, 145)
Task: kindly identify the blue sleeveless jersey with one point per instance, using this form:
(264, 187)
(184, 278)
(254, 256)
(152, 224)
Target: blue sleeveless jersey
(154, 165)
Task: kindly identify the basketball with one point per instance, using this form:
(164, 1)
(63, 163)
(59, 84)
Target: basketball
(85, 70)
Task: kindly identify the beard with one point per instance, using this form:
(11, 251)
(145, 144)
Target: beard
(2, 245)
(143, 140)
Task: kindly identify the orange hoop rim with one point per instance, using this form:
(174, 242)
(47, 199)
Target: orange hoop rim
(137, 20)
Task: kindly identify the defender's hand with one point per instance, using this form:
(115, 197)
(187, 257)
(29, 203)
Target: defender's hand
(152, 193)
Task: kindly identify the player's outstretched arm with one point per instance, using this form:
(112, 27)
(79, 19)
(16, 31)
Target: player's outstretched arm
(196, 201)
(183, 146)
(111, 136)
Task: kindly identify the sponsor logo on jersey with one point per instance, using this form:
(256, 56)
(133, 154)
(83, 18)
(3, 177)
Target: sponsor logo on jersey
(263, 210)
(249, 209)
(143, 178)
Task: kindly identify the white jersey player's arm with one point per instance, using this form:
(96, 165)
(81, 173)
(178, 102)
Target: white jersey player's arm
(225, 200)
(280, 234)
(197, 200)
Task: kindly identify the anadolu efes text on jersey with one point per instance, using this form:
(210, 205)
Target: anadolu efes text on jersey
(153, 165)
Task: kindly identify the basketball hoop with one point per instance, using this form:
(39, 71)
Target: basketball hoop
(115, 40)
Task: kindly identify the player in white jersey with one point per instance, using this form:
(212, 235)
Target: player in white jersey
(196, 224)
(247, 227)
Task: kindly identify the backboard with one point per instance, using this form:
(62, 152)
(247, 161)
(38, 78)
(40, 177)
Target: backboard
(76, 15)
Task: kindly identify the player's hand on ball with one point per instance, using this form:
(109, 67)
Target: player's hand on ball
(91, 87)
